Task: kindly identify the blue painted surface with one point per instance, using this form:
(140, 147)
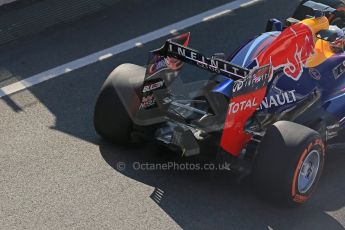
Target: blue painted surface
(225, 88)
(332, 89)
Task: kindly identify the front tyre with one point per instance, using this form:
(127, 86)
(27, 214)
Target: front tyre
(338, 18)
(289, 163)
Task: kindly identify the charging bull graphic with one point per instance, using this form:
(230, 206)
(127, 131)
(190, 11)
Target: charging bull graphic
(290, 51)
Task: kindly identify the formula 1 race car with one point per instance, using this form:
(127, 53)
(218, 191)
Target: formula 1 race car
(273, 108)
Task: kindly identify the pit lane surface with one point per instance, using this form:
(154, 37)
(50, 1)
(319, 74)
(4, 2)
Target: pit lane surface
(57, 173)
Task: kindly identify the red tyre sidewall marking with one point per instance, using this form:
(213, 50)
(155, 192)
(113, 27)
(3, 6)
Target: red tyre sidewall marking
(298, 197)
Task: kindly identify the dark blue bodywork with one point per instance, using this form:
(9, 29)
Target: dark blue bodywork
(328, 79)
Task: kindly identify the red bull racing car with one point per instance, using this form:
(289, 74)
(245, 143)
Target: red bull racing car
(273, 108)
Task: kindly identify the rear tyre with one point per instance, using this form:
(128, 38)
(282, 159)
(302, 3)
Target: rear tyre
(289, 163)
(111, 119)
(337, 19)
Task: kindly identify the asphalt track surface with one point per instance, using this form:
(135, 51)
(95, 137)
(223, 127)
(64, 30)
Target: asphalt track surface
(56, 173)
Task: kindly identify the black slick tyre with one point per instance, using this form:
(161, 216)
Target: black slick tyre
(289, 163)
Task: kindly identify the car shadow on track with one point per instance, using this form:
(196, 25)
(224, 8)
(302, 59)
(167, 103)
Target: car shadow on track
(213, 199)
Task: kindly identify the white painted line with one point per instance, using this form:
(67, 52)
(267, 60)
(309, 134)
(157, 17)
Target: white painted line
(4, 2)
(109, 52)
(220, 14)
(247, 4)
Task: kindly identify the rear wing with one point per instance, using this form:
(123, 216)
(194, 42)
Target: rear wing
(194, 57)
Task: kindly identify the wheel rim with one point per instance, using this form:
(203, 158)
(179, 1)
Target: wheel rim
(308, 171)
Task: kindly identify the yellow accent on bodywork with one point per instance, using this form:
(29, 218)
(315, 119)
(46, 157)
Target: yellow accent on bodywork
(316, 24)
(322, 53)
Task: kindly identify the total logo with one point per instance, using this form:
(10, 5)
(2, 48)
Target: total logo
(278, 100)
(268, 102)
(236, 107)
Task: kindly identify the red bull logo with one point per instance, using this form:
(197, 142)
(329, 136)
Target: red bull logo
(161, 63)
(158, 63)
(290, 51)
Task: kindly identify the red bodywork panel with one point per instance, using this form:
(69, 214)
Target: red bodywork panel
(290, 51)
(240, 110)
